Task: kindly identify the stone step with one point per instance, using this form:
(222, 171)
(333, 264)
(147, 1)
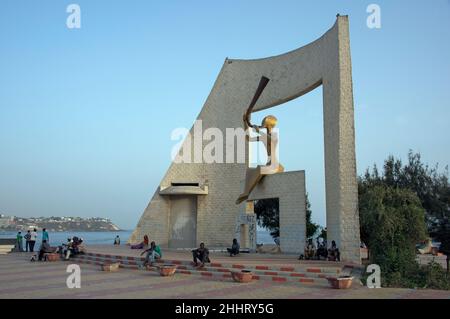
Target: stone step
(219, 275)
(287, 272)
(331, 270)
(6, 249)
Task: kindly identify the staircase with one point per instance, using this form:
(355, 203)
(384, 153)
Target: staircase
(303, 274)
(7, 245)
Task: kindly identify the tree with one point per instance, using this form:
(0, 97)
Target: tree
(443, 235)
(268, 214)
(430, 185)
(392, 222)
(311, 228)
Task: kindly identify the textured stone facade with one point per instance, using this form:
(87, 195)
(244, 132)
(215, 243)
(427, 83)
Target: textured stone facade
(326, 62)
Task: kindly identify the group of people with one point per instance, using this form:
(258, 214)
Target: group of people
(200, 255)
(73, 246)
(30, 239)
(321, 251)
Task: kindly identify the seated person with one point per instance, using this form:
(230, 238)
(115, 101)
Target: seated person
(333, 252)
(202, 254)
(141, 245)
(322, 250)
(79, 247)
(310, 250)
(45, 248)
(153, 253)
(234, 250)
(64, 249)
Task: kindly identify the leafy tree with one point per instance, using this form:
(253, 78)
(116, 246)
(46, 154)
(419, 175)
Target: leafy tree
(430, 185)
(311, 228)
(392, 222)
(443, 235)
(268, 214)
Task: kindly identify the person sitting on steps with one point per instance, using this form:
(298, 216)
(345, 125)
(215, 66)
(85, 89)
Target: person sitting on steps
(333, 252)
(44, 249)
(202, 254)
(234, 250)
(153, 253)
(310, 250)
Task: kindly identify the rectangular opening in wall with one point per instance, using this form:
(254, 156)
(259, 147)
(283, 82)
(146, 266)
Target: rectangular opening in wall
(185, 184)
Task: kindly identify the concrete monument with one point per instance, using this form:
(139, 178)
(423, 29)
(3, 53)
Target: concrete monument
(196, 201)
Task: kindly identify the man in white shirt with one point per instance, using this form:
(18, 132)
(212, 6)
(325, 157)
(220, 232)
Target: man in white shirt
(33, 239)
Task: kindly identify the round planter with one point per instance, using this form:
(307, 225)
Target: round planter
(110, 267)
(342, 282)
(51, 257)
(242, 276)
(167, 270)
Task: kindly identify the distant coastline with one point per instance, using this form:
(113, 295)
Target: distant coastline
(58, 224)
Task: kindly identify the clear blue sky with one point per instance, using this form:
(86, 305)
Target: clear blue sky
(86, 114)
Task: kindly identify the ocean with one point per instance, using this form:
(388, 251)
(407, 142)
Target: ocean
(107, 238)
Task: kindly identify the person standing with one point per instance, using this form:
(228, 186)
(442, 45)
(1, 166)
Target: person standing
(19, 242)
(45, 235)
(33, 239)
(117, 240)
(27, 241)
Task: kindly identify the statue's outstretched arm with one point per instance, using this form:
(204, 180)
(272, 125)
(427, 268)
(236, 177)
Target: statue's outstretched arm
(247, 116)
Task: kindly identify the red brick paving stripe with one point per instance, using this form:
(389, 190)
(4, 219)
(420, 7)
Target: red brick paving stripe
(226, 276)
(271, 273)
(176, 262)
(223, 270)
(238, 266)
(216, 265)
(297, 275)
(187, 272)
(306, 280)
(256, 277)
(316, 270)
(287, 268)
(261, 267)
(206, 273)
(280, 279)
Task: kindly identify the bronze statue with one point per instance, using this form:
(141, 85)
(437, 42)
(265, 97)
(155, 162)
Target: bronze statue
(270, 141)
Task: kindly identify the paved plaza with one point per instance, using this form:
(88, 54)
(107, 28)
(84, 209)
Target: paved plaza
(19, 278)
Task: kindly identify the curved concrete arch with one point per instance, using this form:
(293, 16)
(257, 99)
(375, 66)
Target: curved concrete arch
(326, 61)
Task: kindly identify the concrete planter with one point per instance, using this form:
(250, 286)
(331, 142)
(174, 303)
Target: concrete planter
(110, 267)
(167, 270)
(51, 257)
(242, 276)
(341, 282)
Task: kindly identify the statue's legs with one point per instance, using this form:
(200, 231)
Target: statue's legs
(252, 178)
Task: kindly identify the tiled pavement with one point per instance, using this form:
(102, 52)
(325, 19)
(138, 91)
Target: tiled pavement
(21, 279)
